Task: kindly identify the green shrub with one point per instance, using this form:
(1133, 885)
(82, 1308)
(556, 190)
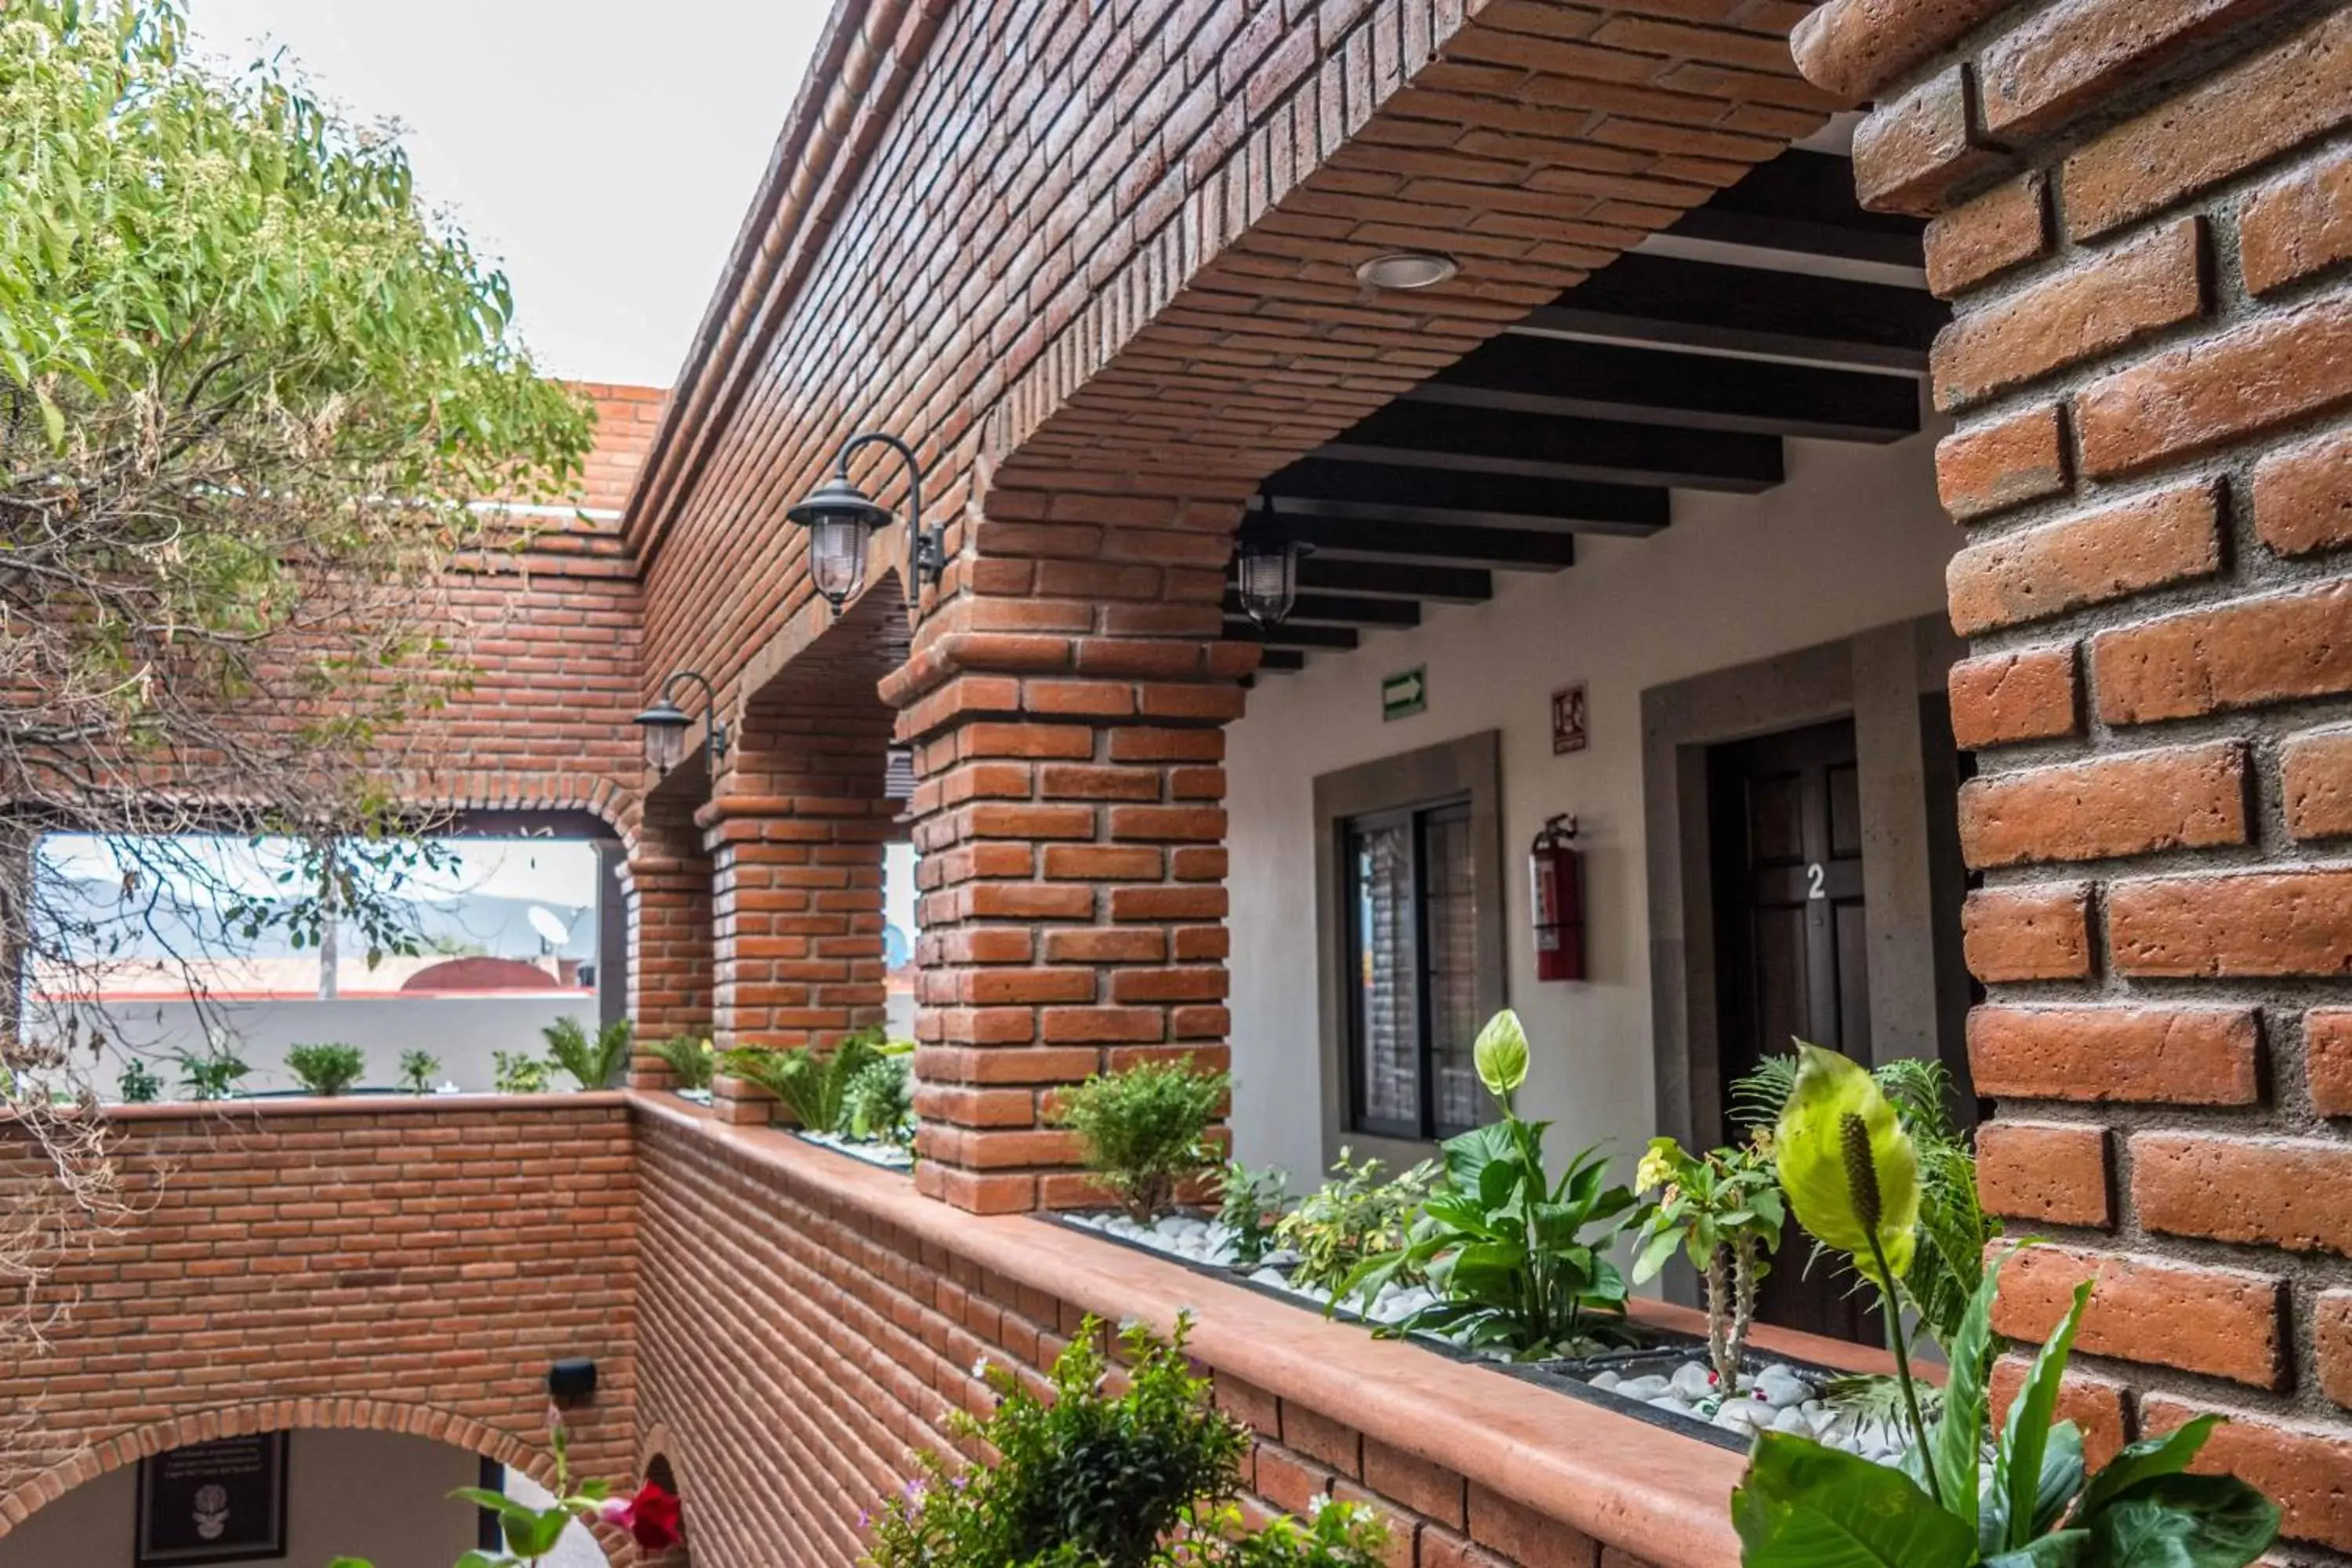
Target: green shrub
(814, 1087)
(326, 1069)
(1145, 1130)
(216, 1075)
(519, 1072)
(139, 1084)
(417, 1069)
(690, 1058)
(1249, 1207)
(594, 1061)
(1143, 1478)
(1349, 1218)
(881, 1101)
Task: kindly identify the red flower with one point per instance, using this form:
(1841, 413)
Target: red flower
(651, 1517)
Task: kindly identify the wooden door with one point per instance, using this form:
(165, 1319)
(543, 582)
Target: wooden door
(1790, 951)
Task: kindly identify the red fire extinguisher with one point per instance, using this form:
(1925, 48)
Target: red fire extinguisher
(1559, 902)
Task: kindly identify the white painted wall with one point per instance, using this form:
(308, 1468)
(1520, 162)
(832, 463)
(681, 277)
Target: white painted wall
(1854, 540)
(376, 1495)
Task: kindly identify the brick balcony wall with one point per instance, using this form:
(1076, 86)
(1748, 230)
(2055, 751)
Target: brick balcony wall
(2142, 213)
(409, 1265)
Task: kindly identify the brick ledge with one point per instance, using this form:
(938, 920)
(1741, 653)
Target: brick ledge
(1660, 1497)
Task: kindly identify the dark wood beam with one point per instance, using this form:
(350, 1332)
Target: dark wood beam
(1281, 660)
(1400, 492)
(1387, 580)
(1434, 544)
(1656, 386)
(1342, 610)
(1290, 634)
(1804, 203)
(1534, 445)
(1675, 303)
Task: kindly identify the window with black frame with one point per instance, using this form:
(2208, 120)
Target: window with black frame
(1412, 969)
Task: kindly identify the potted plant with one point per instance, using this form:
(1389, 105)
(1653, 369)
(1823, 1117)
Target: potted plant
(690, 1058)
(417, 1068)
(592, 1061)
(216, 1075)
(1145, 1131)
(1851, 1176)
(1724, 1210)
(325, 1069)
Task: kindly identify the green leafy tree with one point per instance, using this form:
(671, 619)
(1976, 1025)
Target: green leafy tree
(418, 1068)
(519, 1072)
(1145, 1131)
(1145, 1476)
(214, 1073)
(594, 1061)
(139, 1084)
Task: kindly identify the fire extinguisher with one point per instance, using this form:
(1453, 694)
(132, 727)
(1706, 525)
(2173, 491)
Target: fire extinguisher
(1559, 903)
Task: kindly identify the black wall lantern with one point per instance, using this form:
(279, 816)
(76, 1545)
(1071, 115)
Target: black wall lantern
(664, 725)
(1265, 570)
(841, 519)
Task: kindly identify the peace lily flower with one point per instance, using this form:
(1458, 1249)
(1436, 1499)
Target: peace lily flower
(1849, 1169)
(1500, 1055)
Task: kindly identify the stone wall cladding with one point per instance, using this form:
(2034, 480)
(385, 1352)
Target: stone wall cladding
(409, 1267)
(2139, 219)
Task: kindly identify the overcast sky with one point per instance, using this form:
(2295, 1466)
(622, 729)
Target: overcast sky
(606, 151)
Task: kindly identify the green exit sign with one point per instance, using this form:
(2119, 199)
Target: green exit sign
(1406, 694)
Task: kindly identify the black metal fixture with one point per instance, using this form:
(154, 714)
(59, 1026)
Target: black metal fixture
(665, 723)
(841, 519)
(571, 1381)
(1265, 570)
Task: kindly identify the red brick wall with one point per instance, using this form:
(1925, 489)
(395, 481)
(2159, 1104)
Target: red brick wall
(2143, 210)
(409, 1265)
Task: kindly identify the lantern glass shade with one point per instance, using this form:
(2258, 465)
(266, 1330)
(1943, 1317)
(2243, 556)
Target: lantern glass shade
(837, 557)
(663, 726)
(1266, 577)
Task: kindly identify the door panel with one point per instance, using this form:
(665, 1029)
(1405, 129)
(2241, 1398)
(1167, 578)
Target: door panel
(1792, 953)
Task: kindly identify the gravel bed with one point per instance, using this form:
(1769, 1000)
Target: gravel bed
(873, 1150)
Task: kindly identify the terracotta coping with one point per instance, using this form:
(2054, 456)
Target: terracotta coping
(1661, 1496)
(364, 1104)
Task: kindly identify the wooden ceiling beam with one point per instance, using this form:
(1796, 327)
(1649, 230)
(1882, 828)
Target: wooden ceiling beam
(1404, 490)
(1383, 579)
(1537, 447)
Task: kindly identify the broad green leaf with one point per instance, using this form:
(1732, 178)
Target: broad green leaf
(2184, 1521)
(2016, 1468)
(534, 1535)
(1841, 1180)
(2062, 1477)
(1500, 1055)
(1959, 1435)
(2149, 1458)
(2066, 1549)
(1802, 1505)
(1654, 1254)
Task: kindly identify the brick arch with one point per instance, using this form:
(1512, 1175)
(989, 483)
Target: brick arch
(412, 1420)
(659, 1459)
(617, 806)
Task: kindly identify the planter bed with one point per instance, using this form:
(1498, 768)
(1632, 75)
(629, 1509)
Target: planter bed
(874, 1152)
(1662, 1379)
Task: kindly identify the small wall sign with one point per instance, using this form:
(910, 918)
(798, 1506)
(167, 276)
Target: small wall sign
(213, 1502)
(1405, 694)
(1568, 731)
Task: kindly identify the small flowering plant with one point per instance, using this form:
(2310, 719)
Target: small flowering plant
(1724, 1209)
(1146, 1477)
(650, 1517)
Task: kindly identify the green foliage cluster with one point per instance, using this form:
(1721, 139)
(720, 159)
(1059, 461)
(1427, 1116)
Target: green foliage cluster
(519, 1072)
(1144, 1476)
(1519, 1261)
(1353, 1216)
(592, 1061)
(690, 1058)
(417, 1069)
(1249, 1207)
(1145, 1130)
(879, 1101)
(812, 1086)
(1854, 1179)
(139, 1084)
(1724, 1210)
(215, 1074)
(328, 1068)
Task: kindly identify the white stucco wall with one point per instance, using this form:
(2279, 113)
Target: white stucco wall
(1854, 540)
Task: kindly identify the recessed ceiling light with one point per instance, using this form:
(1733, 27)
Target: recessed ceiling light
(1407, 270)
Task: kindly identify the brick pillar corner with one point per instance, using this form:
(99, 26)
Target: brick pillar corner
(668, 883)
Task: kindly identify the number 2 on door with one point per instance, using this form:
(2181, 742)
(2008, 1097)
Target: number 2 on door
(1814, 879)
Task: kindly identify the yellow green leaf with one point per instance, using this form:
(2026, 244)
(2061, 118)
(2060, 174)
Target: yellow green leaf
(1847, 1165)
(1500, 1055)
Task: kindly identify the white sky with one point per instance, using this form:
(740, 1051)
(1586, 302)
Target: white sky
(554, 871)
(606, 150)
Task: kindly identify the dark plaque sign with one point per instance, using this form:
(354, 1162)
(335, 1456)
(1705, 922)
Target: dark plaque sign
(214, 1502)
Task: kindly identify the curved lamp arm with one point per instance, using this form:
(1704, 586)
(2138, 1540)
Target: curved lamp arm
(926, 551)
(715, 729)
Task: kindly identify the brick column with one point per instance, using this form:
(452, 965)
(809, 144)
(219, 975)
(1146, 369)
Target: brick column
(2142, 214)
(795, 832)
(669, 935)
(1067, 710)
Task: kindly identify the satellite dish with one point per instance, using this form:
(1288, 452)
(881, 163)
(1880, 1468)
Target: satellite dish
(550, 925)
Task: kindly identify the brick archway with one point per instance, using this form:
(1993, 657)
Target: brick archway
(406, 1419)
